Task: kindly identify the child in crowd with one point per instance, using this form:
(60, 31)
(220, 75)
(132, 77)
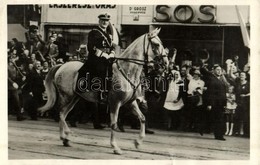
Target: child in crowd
(230, 110)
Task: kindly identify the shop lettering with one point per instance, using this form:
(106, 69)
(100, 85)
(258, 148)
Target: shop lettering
(207, 10)
(137, 10)
(86, 6)
(105, 6)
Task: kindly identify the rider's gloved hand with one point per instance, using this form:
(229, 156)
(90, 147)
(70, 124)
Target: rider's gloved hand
(112, 54)
(105, 55)
(99, 53)
(111, 57)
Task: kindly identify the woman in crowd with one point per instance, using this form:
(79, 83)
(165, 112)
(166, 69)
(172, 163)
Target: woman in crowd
(173, 102)
(195, 91)
(243, 115)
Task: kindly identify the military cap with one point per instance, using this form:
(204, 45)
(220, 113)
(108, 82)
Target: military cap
(104, 16)
(197, 72)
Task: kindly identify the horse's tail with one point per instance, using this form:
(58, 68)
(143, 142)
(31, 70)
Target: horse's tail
(50, 90)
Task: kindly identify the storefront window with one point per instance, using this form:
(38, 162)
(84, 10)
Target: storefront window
(190, 40)
(74, 36)
(130, 32)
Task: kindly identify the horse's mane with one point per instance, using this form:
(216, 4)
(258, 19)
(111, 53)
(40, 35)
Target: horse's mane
(129, 48)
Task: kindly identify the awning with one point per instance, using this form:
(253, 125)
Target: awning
(16, 31)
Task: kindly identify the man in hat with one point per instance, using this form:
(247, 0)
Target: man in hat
(13, 91)
(101, 49)
(51, 50)
(98, 65)
(215, 98)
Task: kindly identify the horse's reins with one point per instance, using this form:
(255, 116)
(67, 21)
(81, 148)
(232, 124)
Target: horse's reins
(136, 61)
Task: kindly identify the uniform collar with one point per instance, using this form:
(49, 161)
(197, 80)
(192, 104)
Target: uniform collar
(103, 29)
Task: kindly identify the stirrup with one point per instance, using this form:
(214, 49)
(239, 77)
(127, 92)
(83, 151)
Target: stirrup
(103, 96)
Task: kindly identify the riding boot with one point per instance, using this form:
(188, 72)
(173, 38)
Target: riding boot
(96, 121)
(231, 129)
(227, 128)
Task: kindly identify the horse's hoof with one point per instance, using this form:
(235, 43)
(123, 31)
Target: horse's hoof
(66, 143)
(137, 144)
(67, 132)
(118, 152)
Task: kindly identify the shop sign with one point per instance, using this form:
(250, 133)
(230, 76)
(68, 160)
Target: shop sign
(185, 14)
(77, 13)
(210, 14)
(80, 6)
(137, 14)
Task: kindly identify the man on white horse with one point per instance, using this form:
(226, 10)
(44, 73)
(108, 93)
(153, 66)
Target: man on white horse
(98, 65)
(61, 81)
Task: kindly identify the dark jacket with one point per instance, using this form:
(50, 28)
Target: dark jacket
(12, 77)
(216, 90)
(50, 50)
(98, 39)
(34, 82)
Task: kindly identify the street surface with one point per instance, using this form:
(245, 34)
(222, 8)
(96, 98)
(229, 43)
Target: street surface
(40, 140)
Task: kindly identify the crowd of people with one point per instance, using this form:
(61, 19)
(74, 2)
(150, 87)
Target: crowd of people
(28, 64)
(203, 98)
(187, 97)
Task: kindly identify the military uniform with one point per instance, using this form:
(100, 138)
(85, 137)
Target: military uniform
(98, 40)
(99, 43)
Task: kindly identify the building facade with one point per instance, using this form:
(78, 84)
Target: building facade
(187, 28)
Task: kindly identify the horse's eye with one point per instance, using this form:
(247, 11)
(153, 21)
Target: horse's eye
(156, 44)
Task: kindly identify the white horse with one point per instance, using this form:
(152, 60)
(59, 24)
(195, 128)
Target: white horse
(61, 81)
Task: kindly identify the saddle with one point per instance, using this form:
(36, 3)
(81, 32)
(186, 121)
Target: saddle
(91, 80)
(82, 80)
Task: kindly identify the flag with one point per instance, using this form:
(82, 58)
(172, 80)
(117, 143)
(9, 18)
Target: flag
(115, 37)
(244, 31)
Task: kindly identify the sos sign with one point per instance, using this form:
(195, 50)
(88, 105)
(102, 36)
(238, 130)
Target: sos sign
(185, 14)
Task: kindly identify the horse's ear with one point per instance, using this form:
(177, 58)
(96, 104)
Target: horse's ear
(154, 33)
(158, 31)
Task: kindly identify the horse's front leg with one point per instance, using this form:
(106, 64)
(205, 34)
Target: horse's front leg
(114, 110)
(135, 108)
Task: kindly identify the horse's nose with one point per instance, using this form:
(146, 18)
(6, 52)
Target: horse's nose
(166, 61)
(151, 64)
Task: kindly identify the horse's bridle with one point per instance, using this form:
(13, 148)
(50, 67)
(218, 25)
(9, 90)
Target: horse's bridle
(144, 62)
(145, 53)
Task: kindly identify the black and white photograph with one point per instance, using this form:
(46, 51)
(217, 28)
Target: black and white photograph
(168, 82)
